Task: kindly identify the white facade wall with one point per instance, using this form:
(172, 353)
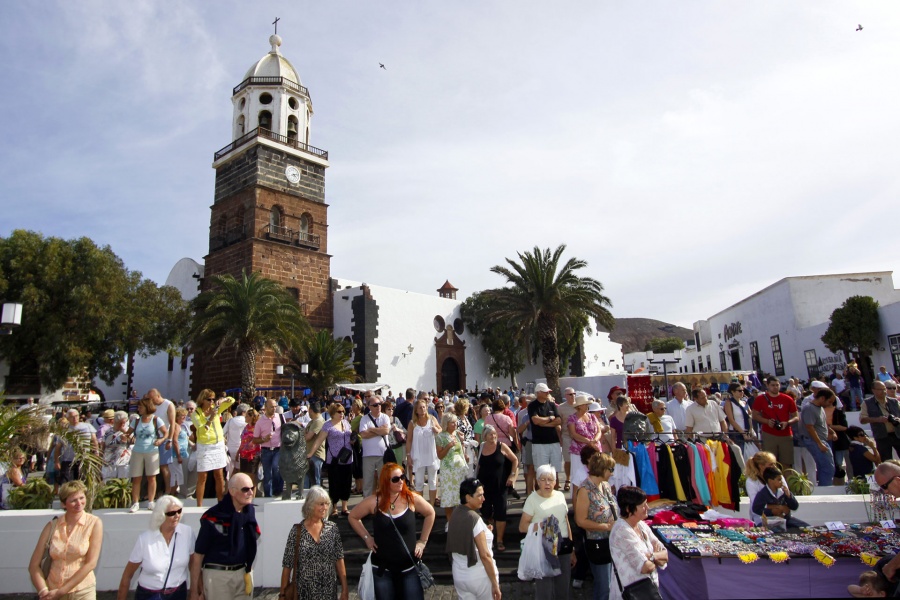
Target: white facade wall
(407, 319)
(797, 310)
(889, 354)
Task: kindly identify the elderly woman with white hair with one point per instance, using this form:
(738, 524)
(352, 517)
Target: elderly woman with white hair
(163, 554)
(546, 510)
(117, 448)
(314, 555)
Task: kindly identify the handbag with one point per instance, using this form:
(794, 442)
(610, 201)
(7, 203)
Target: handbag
(290, 593)
(424, 572)
(366, 587)
(598, 551)
(344, 456)
(46, 560)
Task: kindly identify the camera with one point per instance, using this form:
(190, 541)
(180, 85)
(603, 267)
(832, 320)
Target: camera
(895, 421)
(778, 425)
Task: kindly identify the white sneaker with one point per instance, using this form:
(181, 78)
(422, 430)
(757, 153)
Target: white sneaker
(446, 527)
(151, 505)
(577, 583)
(135, 507)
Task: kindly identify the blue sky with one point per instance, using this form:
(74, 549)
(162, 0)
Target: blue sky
(692, 153)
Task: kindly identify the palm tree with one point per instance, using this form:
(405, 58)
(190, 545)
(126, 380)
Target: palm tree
(544, 298)
(250, 314)
(26, 428)
(328, 361)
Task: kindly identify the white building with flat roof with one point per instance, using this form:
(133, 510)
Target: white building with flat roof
(778, 330)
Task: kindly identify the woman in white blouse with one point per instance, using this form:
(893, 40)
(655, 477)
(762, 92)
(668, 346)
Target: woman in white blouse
(163, 553)
(636, 553)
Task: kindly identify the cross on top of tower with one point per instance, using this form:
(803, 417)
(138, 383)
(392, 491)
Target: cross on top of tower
(275, 23)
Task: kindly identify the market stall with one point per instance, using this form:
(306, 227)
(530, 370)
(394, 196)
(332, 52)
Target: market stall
(712, 561)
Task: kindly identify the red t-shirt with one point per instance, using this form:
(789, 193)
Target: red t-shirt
(779, 408)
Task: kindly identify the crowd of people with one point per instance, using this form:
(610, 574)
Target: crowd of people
(467, 449)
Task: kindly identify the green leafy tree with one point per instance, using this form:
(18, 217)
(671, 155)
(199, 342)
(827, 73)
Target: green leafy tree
(544, 297)
(250, 314)
(503, 343)
(83, 311)
(327, 360)
(855, 329)
(665, 344)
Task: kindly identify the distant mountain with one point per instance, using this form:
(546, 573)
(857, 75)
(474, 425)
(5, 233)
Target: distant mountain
(634, 334)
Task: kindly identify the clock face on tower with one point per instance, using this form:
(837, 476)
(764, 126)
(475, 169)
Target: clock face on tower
(292, 174)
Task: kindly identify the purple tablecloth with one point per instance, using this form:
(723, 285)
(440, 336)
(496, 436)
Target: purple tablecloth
(705, 578)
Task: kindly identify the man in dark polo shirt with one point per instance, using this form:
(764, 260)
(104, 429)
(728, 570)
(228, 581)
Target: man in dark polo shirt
(545, 422)
(226, 546)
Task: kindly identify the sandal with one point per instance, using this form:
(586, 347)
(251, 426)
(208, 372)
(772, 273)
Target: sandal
(501, 547)
(566, 488)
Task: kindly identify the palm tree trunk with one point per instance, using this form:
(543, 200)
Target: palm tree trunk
(549, 351)
(248, 374)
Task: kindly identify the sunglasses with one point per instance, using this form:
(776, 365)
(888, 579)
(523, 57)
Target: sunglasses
(398, 478)
(339, 412)
(246, 490)
(884, 486)
(173, 513)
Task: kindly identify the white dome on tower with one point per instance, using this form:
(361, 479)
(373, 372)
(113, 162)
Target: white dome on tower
(274, 64)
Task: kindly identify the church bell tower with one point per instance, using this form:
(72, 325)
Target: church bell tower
(269, 213)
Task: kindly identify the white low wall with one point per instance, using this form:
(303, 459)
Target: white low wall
(818, 510)
(20, 529)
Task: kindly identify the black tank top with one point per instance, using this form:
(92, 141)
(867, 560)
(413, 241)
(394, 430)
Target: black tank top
(391, 552)
(490, 470)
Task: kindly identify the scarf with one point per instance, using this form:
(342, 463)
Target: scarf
(657, 424)
(459, 534)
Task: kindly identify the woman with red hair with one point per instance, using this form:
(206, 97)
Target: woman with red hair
(393, 539)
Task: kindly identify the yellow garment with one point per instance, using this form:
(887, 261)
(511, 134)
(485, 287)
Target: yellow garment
(69, 549)
(209, 431)
(720, 477)
(679, 491)
(654, 420)
(710, 482)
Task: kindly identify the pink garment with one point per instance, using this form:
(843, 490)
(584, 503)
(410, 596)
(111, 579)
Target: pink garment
(588, 429)
(651, 452)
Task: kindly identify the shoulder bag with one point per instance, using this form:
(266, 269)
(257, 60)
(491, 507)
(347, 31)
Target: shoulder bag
(424, 572)
(291, 592)
(388, 456)
(598, 550)
(642, 589)
(46, 560)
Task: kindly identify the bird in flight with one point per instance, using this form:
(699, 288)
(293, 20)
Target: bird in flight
(382, 66)
(859, 27)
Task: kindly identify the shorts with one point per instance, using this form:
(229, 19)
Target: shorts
(176, 474)
(166, 455)
(548, 454)
(144, 464)
(527, 459)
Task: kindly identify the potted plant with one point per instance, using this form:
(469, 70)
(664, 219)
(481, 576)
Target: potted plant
(799, 483)
(115, 493)
(35, 494)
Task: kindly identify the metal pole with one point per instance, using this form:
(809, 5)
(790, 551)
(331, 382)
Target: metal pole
(666, 377)
(292, 385)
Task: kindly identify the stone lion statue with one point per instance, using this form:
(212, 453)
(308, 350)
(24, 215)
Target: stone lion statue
(636, 426)
(292, 459)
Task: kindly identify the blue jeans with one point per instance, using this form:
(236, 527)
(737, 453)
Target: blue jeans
(273, 485)
(400, 586)
(601, 581)
(856, 393)
(314, 473)
(824, 461)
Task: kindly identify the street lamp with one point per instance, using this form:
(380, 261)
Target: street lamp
(665, 361)
(304, 368)
(11, 317)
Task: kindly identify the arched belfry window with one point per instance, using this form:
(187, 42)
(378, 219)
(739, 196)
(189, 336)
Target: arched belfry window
(305, 223)
(292, 127)
(265, 119)
(276, 217)
(222, 225)
(240, 125)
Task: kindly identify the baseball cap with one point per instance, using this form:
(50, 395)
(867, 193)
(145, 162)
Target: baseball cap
(541, 387)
